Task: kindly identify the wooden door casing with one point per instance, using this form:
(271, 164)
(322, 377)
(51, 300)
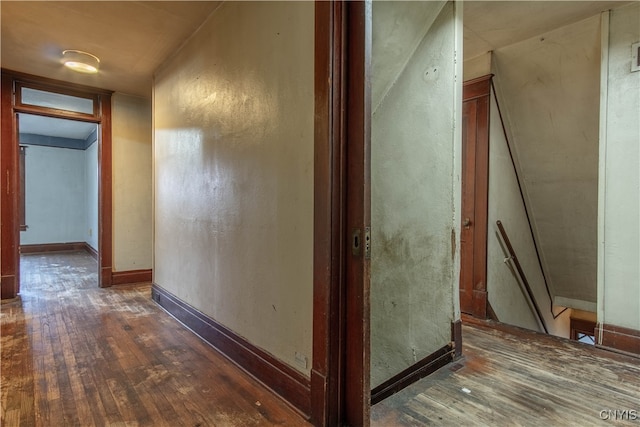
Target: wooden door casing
(340, 389)
(12, 82)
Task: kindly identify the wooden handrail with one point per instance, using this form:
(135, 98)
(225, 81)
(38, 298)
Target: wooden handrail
(524, 203)
(523, 278)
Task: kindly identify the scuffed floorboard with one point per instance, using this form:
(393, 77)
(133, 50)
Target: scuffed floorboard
(512, 377)
(76, 355)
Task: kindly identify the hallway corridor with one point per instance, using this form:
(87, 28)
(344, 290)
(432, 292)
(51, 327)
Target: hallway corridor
(74, 354)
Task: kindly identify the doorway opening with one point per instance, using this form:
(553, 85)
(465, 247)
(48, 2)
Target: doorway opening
(58, 194)
(530, 183)
(32, 109)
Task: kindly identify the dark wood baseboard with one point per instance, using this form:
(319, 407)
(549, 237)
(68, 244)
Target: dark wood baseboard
(619, 339)
(426, 366)
(91, 250)
(131, 276)
(59, 247)
(456, 338)
(291, 385)
(52, 247)
(8, 287)
(106, 275)
(320, 390)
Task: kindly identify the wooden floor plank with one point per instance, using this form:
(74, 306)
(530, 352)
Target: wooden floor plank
(84, 391)
(509, 376)
(75, 354)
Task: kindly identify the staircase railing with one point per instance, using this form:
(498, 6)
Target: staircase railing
(523, 278)
(524, 204)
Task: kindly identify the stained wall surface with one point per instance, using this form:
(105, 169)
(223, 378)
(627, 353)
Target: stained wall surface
(414, 183)
(233, 174)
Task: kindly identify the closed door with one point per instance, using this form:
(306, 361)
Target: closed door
(475, 180)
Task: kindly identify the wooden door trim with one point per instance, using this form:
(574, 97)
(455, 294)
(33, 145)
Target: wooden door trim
(340, 386)
(10, 237)
(328, 263)
(478, 90)
(10, 268)
(105, 197)
(358, 218)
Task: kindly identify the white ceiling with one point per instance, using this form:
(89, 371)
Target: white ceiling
(133, 38)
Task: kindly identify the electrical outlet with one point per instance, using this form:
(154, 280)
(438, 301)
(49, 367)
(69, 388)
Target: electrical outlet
(90, 232)
(301, 360)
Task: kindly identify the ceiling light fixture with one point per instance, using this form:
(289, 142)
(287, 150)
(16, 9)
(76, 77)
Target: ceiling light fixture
(80, 61)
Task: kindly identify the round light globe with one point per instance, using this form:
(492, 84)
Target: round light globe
(80, 61)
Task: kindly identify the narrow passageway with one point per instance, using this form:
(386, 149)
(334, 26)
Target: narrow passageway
(510, 376)
(75, 354)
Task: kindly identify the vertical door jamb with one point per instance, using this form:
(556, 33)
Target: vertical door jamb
(358, 217)
(327, 373)
(340, 384)
(9, 264)
(105, 201)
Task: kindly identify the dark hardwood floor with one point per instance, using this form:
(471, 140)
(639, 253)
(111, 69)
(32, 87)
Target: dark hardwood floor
(512, 377)
(76, 355)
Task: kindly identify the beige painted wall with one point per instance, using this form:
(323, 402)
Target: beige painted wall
(414, 185)
(619, 231)
(505, 290)
(132, 195)
(548, 87)
(233, 168)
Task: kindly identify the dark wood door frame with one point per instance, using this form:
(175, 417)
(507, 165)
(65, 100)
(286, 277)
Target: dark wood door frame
(10, 229)
(358, 219)
(340, 387)
(328, 254)
(475, 197)
(9, 161)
